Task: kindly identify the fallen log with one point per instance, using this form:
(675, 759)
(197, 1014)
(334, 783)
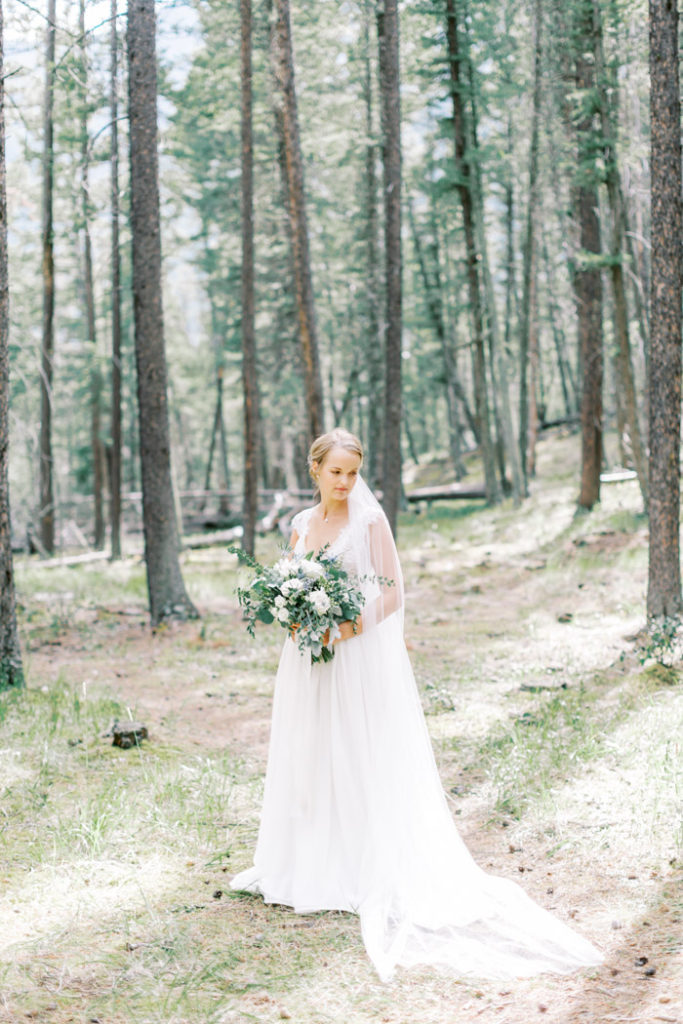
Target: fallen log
(615, 476)
(66, 560)
(446, 492)
(213, 539)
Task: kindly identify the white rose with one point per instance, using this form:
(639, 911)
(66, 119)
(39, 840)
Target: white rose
(291, 586)
(280, 601)
(283, 615)
(313, 570)
(284, 567)
(320, 601)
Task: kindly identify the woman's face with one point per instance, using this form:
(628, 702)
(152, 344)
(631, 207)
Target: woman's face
(337, 474)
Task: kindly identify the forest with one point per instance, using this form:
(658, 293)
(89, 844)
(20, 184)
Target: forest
(444, 244)
(452, 227)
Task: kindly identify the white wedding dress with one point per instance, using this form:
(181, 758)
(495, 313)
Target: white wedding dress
(354, 816)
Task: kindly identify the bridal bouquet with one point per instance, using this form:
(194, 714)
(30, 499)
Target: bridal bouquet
(311, 595)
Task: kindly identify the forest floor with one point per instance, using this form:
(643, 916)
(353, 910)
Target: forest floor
(561, 754)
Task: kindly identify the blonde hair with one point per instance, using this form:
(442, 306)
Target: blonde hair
(323, 445)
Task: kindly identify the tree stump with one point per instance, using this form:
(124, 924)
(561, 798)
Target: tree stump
(130, 734)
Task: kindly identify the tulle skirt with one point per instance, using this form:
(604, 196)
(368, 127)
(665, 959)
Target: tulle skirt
(354, 818)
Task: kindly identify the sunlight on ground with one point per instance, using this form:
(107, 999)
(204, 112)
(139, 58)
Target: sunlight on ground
(48, 901)
(633, 796)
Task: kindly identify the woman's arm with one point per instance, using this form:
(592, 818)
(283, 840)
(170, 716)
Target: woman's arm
(386, 567)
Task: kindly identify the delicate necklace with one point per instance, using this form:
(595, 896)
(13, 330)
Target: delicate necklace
(326, 516)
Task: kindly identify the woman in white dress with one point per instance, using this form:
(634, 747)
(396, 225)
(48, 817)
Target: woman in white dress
(354, 816)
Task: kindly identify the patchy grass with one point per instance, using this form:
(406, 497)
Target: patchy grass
(559, 752)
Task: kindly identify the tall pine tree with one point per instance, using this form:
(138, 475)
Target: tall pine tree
(167, 595)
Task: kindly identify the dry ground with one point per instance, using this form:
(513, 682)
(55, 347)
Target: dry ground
(560, 752)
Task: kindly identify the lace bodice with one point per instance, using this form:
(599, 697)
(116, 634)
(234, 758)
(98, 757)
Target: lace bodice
(338, 547)
(365, 548)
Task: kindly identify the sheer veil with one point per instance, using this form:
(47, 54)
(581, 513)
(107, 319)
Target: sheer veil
(376, 555)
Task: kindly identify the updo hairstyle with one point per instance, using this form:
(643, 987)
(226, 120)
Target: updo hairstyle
(323, 445)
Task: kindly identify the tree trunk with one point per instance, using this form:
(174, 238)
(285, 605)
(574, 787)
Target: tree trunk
(588, 288)
(283, 65)
(510, 283)
(433, 298)
(637, 254)
(96, 447)
(664, 573)
(11, 670)
(115, 461)
(490, 318)
(390, 105)
(587, 278)
(566, 379)
(625, 380)
(528, 349)
(218, 432)
(375, 338)
(507, 444)
(249, 367)
(224, 502)
(167, 595)
(47, 500)
(212, 448)
(463, 170)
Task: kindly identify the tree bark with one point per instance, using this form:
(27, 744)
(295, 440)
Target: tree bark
(11, 669)
(464, 175)
(616, 203)
(587, 277)
(224, 502)
(375, 334)
(507, 442)
(115, 461)
(47, 500)
(566, 379)
(433, 298)
(167, 595)
(249, 366)
(529, 355)
(664, 573)
(215, 427)
(283, 65)
(217, 432)
(390, 107)
(96, 446)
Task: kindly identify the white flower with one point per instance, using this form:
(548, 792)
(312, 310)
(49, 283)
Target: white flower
(283, 615)
(280, 601)
(292, 586)
(314, 570)
(284, 567)
(320, 601)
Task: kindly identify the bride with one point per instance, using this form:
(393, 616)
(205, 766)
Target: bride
(354, 817)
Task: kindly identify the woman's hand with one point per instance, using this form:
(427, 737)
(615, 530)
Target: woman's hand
(348, 629)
